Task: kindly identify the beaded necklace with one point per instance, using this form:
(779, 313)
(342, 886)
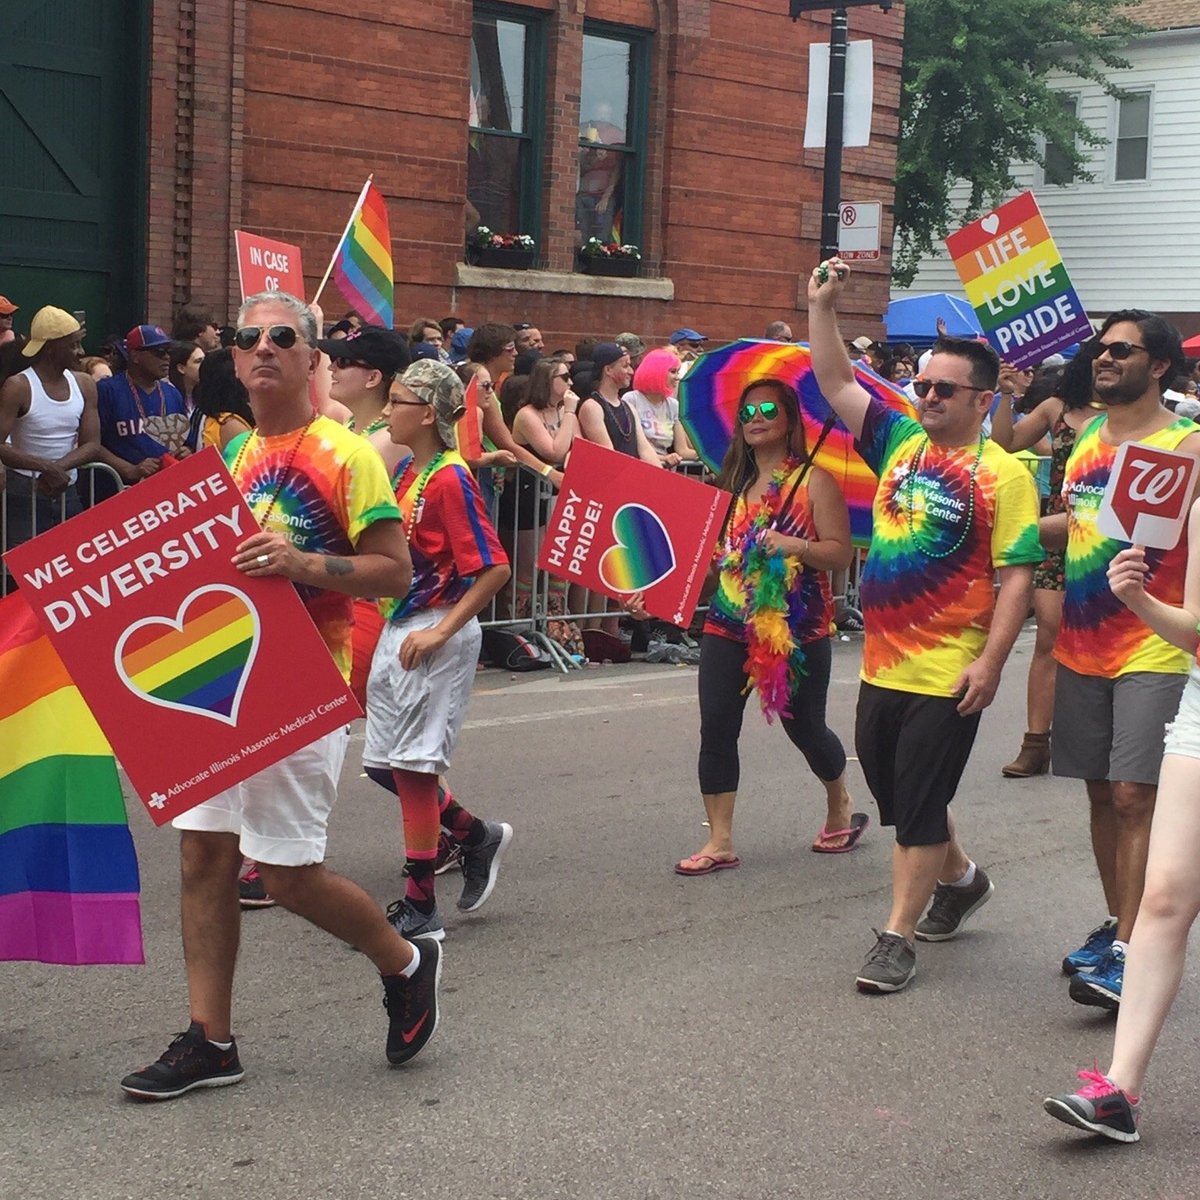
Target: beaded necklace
(908, 489)
(412, 497)
(774, 660)
(287, 468)
(137, 397)
(374, 427)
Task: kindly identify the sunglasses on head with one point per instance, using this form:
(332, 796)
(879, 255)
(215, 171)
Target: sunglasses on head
(1119, 351)
(246, 338)
(768, 410)
(524, 325)
(941, 388)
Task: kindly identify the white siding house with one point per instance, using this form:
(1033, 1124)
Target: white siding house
(1130, 238)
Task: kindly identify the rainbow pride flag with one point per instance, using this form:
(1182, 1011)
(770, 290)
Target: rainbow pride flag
(362, 264)
(68, 873)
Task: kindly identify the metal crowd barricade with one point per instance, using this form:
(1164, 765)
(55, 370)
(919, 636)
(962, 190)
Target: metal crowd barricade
(525, 605)
(78, 496)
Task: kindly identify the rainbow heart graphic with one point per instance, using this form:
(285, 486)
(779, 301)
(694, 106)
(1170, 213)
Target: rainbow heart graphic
(643, 555)
(197, 661)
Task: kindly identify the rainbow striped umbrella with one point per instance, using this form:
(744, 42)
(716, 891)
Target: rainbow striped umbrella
(708, 396)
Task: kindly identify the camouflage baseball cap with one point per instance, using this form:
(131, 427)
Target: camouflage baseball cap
(438, 385)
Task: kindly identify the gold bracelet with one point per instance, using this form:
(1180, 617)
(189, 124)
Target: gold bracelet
(546, 470)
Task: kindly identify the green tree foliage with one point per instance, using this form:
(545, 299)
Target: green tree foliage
(975, 100)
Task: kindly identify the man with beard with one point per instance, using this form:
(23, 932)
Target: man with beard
(1118, 683)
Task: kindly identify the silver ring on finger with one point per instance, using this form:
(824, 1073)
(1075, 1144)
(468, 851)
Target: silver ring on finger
(263, 560)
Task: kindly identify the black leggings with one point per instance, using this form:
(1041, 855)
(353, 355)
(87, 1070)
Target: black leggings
(722, 704)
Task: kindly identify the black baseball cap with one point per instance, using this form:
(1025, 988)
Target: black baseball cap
(383, 349)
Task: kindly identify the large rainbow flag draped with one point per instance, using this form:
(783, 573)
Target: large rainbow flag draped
(68, 873)
(363, 263)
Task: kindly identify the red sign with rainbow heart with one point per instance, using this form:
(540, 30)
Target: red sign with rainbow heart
(181, 658)
(622, 526)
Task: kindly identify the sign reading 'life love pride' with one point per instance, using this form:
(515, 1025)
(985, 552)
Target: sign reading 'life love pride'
(1146, 499)
(1015, 279)
(198, 675)
(621, 526)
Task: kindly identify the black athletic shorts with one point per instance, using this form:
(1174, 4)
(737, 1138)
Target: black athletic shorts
(913, 750)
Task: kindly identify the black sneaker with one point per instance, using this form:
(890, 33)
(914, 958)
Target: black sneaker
(890, 966)
(849, 620)
(190, 1061)
(252, 892)
(409, 922)
(481, 864)
(952, 906)
(412, 1005)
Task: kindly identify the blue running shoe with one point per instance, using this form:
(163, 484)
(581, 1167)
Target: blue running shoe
(1083, 961)
(1099, 1107)
(1102, 988)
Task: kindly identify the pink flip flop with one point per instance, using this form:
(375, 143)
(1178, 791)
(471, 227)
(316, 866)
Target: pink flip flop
(714, 864)
(858, 826)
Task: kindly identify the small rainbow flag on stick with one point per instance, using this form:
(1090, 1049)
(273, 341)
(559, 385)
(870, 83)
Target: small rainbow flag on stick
(362, 260)
(68, 873)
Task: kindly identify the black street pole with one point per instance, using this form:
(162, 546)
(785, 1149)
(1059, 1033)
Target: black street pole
(835, 109)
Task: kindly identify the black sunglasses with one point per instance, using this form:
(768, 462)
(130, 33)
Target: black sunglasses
(768, 410)
(524, 325)
(942, 388)
(1119, 351)
(246, 338)
(343, 363)
(157, 351)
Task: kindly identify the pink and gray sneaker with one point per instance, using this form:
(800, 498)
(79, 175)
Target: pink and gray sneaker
(1099, 1107)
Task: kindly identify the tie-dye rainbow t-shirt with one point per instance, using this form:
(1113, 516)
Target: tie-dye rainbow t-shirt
(926, 592)
(1098, 634)
(336, 486)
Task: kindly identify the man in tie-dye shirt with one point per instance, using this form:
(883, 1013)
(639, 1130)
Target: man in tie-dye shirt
(1118, 683)
(328, 522)
(951, 512)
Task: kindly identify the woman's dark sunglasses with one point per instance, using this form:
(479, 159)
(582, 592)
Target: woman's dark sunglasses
(246, 338)
(1119, 351)
(343, 363)
(768, 410)
(943, 388)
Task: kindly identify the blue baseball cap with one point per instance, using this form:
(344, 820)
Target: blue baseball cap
(458, 344)
(686, 335)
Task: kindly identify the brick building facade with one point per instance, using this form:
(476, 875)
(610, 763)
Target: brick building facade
(267, 115)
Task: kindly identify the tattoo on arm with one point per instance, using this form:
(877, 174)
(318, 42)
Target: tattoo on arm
(338, 566)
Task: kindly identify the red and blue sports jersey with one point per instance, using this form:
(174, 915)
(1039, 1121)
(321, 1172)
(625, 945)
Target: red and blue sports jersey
(450, 537)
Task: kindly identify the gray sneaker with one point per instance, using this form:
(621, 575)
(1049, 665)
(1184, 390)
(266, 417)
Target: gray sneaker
(952, 906)
(481, 864)
(409, 922)
(890, 967)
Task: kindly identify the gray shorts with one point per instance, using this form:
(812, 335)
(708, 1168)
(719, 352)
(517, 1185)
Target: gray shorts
(1112, 728)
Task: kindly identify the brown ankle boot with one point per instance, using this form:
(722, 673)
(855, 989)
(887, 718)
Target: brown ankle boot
(1034, 758)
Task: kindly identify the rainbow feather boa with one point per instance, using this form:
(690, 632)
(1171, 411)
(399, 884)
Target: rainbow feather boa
(774, 660)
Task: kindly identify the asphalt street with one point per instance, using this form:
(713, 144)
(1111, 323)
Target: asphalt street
(610, 1029)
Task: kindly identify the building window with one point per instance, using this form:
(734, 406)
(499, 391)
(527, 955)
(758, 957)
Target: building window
(1059, 169)
(504, 143)
(612, 134)
(1133, 137)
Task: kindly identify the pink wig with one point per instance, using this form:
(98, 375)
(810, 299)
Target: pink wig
(651, 376)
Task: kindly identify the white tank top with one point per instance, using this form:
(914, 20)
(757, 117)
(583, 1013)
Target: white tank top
(50, 429)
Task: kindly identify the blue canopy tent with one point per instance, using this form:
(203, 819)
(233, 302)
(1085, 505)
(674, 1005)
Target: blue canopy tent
(914, 318)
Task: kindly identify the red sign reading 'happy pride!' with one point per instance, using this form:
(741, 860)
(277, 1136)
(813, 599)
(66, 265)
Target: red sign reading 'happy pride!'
(198, 675)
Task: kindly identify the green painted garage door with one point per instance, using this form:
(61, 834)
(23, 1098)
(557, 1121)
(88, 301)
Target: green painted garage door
(72, 159)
